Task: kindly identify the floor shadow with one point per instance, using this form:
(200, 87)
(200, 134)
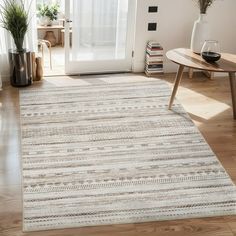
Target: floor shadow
(205, 86)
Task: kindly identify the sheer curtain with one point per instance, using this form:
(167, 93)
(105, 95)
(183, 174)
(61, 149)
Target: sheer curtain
(98, 23)
(6, 41)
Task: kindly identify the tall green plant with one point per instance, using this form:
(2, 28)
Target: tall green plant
(204, 5)
(15, 19)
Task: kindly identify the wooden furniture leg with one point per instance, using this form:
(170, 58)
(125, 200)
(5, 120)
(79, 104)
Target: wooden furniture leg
(212, 75)
(232, 80)
(176, 85)
(62, 38)
(208, 74)
(50, 52)
(33, 57)
(59, 37)
(48, 44)
(190, 73)
(42, 48)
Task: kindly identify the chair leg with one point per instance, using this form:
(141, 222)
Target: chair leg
(42, 53)
(50, 54)
(49, 46)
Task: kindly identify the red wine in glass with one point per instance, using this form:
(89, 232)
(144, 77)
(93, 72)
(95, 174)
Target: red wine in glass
(211, 56)
(211, 51)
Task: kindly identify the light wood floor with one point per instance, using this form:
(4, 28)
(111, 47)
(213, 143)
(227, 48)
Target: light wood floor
(208, 103)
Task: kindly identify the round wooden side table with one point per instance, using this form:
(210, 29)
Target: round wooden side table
(186, 58)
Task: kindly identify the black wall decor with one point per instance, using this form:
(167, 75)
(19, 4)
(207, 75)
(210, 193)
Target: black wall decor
(152, 26)
(153, 9)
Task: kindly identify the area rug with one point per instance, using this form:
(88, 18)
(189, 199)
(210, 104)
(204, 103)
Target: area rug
(112, 154)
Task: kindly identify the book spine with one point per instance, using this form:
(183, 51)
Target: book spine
(155, 48)
(154, 62)
(154, 58)
(157, 58)
(151, 53)
(155, 66)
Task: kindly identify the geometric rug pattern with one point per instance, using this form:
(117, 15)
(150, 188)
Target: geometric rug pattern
(112, 154)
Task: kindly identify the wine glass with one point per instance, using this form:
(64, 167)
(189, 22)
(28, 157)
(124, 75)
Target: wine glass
(211, 51)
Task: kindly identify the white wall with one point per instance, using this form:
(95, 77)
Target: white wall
(175, 20)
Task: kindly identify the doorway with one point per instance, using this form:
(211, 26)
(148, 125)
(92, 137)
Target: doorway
(92, 36)
(99, 36)
(50, 27)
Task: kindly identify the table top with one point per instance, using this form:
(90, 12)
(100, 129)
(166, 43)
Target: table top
(63, 30)
(186, 57)
(42, 27)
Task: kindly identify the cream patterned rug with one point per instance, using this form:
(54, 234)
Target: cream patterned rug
(110, 154)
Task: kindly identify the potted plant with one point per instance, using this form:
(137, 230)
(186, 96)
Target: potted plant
(201, 31)
(15, 19)
(47, 13)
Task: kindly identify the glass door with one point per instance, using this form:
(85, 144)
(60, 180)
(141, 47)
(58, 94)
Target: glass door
(99, 36)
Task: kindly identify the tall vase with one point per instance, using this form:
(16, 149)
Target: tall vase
(20, 68)
(201, 32)
(50, 36)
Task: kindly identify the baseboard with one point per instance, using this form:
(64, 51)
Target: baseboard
(169, 67)
(138, 67)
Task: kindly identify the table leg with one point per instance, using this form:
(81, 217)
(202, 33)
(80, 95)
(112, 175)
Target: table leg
(62, 39)
(59, 36)
(190, 73)
(232, 80)
(42, 54)
(176, 85)
(50, 53)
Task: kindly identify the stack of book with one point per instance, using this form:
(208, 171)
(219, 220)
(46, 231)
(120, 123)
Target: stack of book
(154, 58)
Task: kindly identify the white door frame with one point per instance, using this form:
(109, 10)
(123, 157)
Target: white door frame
(88, 67)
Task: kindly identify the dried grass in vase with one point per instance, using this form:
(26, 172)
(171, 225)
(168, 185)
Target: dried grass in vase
(204, 5)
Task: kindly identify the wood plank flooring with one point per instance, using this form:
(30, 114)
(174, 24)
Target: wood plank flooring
(207, 101)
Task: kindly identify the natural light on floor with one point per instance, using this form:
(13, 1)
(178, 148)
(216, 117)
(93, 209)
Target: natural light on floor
(206, 107)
